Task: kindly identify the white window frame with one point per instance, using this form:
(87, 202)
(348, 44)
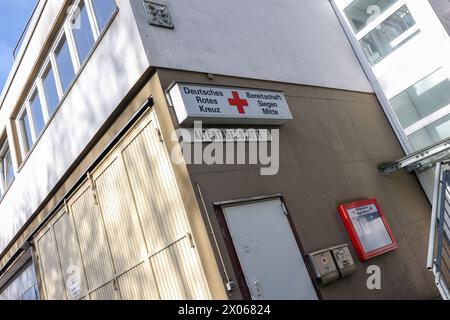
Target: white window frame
(22, 131)
(93, 26)
(48, 66)
(65, 33)
(4, 150)
(94, 17)
(380, 19)
(430, 119)
(36, 88)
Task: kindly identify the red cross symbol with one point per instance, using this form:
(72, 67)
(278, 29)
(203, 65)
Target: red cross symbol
(238, 102)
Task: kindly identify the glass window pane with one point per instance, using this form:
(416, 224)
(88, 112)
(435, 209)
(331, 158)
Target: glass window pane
(422, 99)
(388, 36)
(65, 66)
(6, 168)
(26, 129)
(9, 170)
(103, 11)
(29, 295)
(51, 94)
(36, 114)
(362, 12)
(82, 33)
(433, 133)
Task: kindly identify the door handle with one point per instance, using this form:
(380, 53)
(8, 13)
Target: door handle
(258, 287)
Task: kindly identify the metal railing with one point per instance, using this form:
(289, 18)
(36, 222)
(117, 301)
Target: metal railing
(439, 245)
(24, 32)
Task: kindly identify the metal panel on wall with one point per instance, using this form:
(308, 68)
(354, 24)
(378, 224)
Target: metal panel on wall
(179, 274)
(160, 207)
(92, 239)
(139, 283)
(107, 292)
(50, 267)
(69, 254)
(121, 221)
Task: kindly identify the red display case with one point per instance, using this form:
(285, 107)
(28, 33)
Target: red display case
(368, 229)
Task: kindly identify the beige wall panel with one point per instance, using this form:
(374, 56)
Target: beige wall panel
(121, 221)
(139, 283)
(106, 292)
(69, 254)
(50, 267)
(177, 275)
(156, 194)
(92, 238)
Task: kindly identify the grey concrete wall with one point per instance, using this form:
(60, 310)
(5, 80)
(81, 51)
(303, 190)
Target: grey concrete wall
(289, 41)
(329, 155)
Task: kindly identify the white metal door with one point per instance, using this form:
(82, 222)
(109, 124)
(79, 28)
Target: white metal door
(268, 251)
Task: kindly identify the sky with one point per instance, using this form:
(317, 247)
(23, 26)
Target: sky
(14, 15)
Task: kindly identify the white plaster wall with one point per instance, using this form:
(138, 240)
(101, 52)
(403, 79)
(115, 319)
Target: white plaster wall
(295, 41)
(113, 69)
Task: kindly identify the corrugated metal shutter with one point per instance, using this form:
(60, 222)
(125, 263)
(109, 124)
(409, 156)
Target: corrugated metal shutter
(92, 238)
(121, 221)
(179, 274)
(49, 262)
(126, 230)
(139, 283)
(160, 207)
(107, 292)
(69, 254)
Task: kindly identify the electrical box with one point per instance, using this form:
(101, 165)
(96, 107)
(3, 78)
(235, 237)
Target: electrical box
(344, 260)
(324, 266)
(332, 263)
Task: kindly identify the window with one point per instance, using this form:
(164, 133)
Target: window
(82, 32)
(75, 41)
(361, 12)
(389, 35)
(50, 91)
(25, 128)
(104, 10)
(430, 134)
(31, 294)
(6, 168)
(65, 66)
(422, 99)
(22, 286)
(36, 114)
(424, 110)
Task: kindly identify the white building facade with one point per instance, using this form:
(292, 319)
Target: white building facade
(403, 46)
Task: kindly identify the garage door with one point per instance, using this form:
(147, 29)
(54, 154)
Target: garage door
(124, 233)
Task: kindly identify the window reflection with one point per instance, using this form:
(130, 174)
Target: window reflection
(389, 35)
(361, 12)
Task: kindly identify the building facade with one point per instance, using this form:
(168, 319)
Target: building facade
(93, 205)
(403, 47)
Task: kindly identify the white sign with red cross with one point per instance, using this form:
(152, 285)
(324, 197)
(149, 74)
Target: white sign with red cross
(228, 105)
